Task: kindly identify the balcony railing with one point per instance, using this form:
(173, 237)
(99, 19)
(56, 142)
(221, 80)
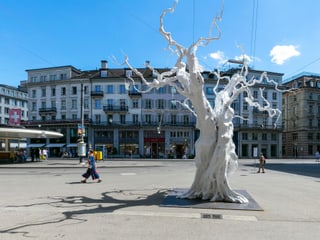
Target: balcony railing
(97, 93)
(258, 126)
(134, 94)
(44, 111)
(115, 109)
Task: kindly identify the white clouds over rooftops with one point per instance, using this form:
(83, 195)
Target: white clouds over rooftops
(281, 53)
(219, 56)
(244, 57)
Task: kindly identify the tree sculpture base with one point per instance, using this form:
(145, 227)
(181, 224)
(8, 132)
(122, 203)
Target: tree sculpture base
(172, 200)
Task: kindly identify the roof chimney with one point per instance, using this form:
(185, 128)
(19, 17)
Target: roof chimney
(104, 64)
(103, 69)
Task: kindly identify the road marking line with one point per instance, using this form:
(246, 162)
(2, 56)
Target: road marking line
(128, 174)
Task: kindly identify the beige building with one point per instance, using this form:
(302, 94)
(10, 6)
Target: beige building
(121, 121)
(301, 119)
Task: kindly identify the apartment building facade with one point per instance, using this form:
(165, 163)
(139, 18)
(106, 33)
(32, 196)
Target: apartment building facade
(254, 131)
(121, 121)
(13, 110)
(117, 121)
(301, 116)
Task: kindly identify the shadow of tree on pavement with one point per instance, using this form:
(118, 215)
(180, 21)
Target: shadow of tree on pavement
(77, 207)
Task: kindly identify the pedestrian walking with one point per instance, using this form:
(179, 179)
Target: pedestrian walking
(91, 169)
(262, 162)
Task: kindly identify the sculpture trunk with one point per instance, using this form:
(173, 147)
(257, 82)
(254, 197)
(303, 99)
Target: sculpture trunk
(215, 154)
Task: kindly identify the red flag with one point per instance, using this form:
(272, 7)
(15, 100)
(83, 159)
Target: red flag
(14, 116)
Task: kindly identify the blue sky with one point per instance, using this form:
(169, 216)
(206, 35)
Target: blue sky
(275, 35)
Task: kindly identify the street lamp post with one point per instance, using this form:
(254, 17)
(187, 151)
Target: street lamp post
(81, 143)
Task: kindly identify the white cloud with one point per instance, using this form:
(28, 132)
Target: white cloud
(244, 57)
(281, 53)
(219, 56)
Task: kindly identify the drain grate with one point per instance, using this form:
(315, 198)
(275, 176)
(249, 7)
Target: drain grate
(211, 216)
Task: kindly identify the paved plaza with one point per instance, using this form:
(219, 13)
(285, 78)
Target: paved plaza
(45, 200)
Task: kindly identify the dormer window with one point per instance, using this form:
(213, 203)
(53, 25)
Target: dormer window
(103, 73)
(128, 73)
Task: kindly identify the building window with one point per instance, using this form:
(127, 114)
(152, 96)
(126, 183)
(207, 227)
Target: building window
(186, 119)
(294, 137)
(74, 104)
(245, 150)
(135, 103)
(173, 104)
(264, 136)
(310, 123)
(63, 76)
(310, 136)
(147, 118)
(98, 118)
(161, 90)
(122, 89)
(265, 94)
(122, 119)
(74, 90)
(255, 94)
(63, 91)
(97, 104)
(63, 104)
(110, 89)
(85, 90)
(34, 93)
(34, 106)
(122, 104)
(254, 136)
(274, 137)
(43, 78)
(310, 150)
(86, 103)
(209, 91)
(148, 104)
(135, 118)
(53, 92)
(160, 103)
(173, 119)
(53, 77)
(110, 103)
(74, 116)
(43, 92)
(244, 136)
(245, 106)
(274, 96)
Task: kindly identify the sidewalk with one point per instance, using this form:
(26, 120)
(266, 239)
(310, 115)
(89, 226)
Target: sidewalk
(44, 200)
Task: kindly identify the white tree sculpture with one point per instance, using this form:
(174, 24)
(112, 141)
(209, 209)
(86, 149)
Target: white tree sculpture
(215, 154)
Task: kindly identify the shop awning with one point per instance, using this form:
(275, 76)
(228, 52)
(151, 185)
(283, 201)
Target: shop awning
(27, 133)
(35, 145)
(72, 145)
(55, 145)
